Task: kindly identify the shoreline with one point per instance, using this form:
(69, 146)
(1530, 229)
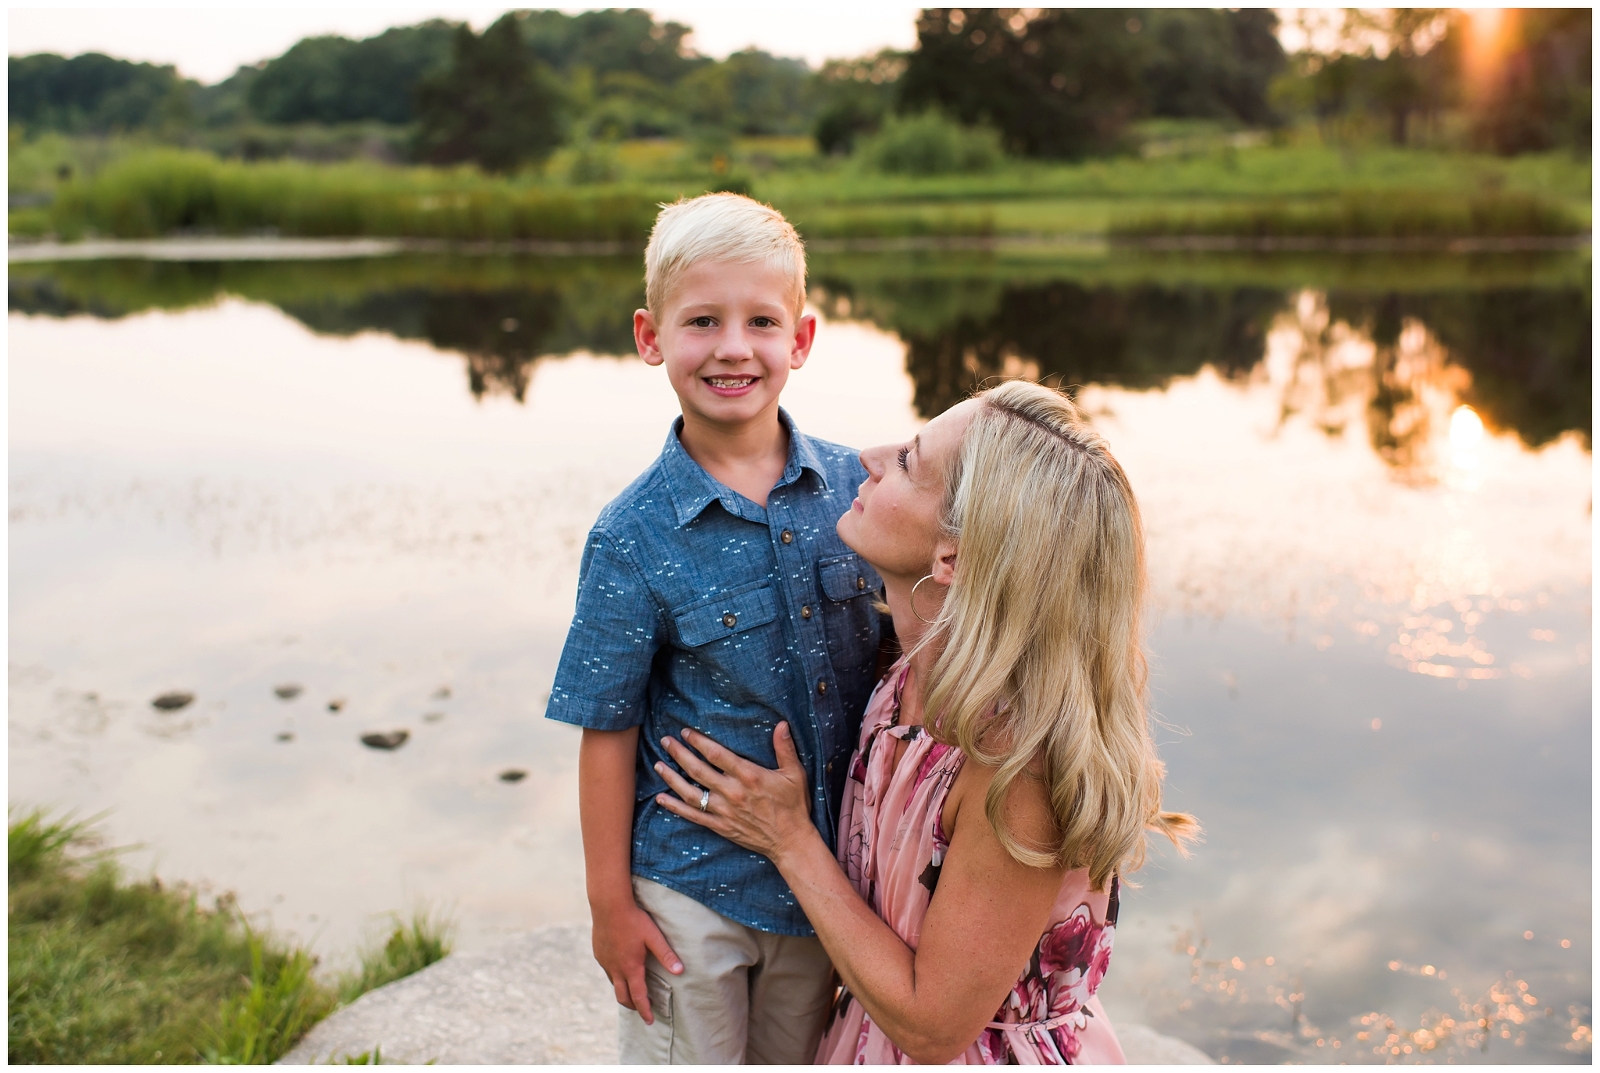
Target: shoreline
(276, 248)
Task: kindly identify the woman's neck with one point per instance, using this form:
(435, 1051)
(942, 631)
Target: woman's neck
(909, 628)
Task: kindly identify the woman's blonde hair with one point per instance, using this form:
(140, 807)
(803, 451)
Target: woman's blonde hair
(721, 227)
(1040, 666)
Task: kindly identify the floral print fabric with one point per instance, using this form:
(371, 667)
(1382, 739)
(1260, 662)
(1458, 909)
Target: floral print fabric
(892, 845)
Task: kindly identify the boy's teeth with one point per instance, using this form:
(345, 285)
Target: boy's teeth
(730, 381)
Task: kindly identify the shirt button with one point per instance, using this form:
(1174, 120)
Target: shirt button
(729, 619)
(861, 582)
(805, 612)
(787, 537)
(830, 768)
(822, 686)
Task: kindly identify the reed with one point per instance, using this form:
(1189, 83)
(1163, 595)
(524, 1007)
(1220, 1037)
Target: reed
(1390, 215)
(162, 191)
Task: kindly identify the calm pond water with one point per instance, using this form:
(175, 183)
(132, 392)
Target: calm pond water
(1367, 491)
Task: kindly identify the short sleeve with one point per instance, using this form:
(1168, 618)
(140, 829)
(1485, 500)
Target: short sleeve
(603, 679)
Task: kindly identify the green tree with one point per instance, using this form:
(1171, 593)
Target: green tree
(610, 42)
(853, 97)
(496, 104)
(1055, 83)
(751, 92)
(92, 93)
(1209, 63)
(335, 80)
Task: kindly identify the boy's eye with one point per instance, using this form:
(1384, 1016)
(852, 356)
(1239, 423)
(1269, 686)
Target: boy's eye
(904, 451)
(763, 322)
(703, 322)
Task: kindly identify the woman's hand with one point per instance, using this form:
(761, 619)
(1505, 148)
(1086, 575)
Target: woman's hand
(759, 808)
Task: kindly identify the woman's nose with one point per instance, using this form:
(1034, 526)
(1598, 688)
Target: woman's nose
(876, 461)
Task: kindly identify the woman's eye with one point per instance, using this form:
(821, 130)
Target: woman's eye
(904, 451)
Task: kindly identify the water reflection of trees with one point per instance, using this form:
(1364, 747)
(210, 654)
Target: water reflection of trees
(501, 314)
(1519, 355)
(502, 332)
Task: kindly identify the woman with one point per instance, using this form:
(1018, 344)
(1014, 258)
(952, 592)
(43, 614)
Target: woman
(1005, 774)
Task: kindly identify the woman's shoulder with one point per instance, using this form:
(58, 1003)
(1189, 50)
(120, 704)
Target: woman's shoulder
(1028, 812)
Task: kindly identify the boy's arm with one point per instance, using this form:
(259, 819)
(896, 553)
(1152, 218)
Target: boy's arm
(623, 933)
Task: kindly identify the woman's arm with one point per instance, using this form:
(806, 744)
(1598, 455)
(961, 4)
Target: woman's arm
(982, 923)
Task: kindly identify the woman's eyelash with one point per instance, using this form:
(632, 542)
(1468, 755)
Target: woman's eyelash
(904, 451)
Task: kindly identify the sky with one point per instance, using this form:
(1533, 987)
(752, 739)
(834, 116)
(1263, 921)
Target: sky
(209, 42)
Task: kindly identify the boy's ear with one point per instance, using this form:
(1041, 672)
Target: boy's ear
(805, 333)
(647, 339)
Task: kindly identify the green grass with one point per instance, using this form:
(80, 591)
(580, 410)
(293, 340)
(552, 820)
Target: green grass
(128, 189)
(409, 946)
(107, 969)
(1398, 215)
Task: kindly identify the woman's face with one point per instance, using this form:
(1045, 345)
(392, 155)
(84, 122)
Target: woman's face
(894, 522)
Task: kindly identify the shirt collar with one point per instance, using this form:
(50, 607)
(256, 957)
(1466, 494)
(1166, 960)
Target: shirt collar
(693, 489)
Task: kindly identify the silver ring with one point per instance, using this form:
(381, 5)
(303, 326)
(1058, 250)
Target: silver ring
(705, 798)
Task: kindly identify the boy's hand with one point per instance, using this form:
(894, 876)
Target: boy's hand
(622, 938)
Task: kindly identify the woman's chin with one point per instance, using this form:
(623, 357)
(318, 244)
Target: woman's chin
(849, 530)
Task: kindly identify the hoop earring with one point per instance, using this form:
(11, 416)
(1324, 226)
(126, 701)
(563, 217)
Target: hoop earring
(913, 601)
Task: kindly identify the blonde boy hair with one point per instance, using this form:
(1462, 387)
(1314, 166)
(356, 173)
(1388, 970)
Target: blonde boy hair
(1041, 668)
(730, 228)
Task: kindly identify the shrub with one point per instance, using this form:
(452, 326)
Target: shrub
(930, 144)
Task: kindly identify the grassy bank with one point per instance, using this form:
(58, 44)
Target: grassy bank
(1395, 215)
(104, 968)
(611, 195)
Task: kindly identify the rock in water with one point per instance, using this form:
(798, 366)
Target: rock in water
(336, 704)
(432, 717)
(285, 736)
(536, 998)
(442, 693)
(513, 774)
(171, 702)
(388, 740)
(287, 691)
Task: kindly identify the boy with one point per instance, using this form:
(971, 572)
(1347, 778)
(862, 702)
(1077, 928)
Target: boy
(714, 593)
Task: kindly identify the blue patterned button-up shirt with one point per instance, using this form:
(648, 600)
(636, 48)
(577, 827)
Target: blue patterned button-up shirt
(699, 608)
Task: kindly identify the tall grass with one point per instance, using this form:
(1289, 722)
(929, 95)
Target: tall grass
(1395, 215)
(104, 969)
(161, 191)
(410, 946)
(613, 197)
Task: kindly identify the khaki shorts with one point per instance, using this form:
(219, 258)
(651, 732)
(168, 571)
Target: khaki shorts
(745, 996)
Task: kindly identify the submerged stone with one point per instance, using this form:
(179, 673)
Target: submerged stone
(513, 774)
(287, 691)
(388, 740)
(171, 702)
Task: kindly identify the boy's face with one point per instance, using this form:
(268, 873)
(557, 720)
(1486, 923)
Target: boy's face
(728, 336)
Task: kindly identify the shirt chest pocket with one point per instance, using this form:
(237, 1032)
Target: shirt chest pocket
(726, 616)
(848, 588)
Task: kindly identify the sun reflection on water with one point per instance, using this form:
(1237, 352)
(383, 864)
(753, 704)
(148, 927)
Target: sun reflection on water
(1464, 1022)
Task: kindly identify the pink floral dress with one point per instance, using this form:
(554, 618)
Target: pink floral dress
(892, 845)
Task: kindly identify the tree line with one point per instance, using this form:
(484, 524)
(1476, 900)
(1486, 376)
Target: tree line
(1049, 83)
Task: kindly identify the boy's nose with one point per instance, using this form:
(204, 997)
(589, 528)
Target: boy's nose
(734, 345)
